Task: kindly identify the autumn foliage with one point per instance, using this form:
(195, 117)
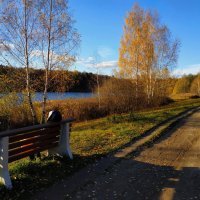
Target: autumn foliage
(146, 55)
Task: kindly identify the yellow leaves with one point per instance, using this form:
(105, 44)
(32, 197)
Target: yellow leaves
(138, 41)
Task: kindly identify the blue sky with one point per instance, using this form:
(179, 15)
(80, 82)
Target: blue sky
(100, 23)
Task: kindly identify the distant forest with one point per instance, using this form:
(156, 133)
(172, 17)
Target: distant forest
(13, 79)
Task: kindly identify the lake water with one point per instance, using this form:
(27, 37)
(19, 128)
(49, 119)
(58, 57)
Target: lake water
(63, 95)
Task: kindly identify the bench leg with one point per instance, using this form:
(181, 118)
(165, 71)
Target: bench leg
(63, 148)
(4, 173)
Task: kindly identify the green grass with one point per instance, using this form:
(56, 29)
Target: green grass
(101, 136)
(89, 141)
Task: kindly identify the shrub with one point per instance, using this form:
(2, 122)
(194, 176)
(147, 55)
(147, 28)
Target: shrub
(81, 109)
(118, 95)
(195, 97)
(15, 108)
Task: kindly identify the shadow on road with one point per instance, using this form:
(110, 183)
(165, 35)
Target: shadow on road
(138, 180)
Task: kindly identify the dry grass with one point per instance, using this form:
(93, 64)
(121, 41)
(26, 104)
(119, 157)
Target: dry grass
(81, 109)
(19, 114)
(16, 110)
(182, 96)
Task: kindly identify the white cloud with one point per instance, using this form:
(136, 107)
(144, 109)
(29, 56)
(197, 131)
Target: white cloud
(91, 63)
(192, 69)
(107, 64)
(105, 52)
(36, 53)
(85, 61)
(6, 47)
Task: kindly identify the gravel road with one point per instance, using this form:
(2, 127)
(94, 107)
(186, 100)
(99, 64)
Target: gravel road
(169, 169)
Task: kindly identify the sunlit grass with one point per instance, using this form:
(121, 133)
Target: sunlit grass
(107, 134)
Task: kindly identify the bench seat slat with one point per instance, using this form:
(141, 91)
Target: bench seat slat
(31, 134)
(30, 152)
(32, 146)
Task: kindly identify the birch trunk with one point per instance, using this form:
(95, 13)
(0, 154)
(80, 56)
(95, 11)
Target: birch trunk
(98, 90)
(47, 68)
(33, 113)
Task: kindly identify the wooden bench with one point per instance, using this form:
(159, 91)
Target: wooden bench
(19, 143)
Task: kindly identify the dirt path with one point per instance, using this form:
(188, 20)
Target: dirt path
(170, 169)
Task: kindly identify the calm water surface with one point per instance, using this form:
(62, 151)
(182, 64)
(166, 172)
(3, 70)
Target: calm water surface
(63, 95)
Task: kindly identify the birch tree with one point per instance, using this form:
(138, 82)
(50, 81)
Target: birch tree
(130, 48)
(97, 59)
(37, 34)
(18, 38)
(58, 40)
(146, 48)
(160, 53)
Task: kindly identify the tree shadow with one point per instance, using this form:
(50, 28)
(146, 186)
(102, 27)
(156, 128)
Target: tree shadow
(139, 180)
(29, 176)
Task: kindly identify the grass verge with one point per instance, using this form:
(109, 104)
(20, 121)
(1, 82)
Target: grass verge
(89, 141)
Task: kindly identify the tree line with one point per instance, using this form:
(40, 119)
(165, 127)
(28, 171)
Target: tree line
(188, 84)
(12, 79)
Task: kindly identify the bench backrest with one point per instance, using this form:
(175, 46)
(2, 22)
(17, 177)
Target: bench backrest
(25, 144)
